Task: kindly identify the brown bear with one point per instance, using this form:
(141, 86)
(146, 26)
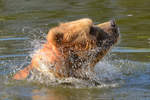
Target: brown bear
(70, 45)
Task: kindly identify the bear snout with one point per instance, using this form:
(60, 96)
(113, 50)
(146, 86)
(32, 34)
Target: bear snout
(113, 23)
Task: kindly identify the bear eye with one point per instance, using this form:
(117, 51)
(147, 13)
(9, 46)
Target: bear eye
(92, 31)
(59, 37)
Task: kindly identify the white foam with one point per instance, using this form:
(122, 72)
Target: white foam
(106, 71)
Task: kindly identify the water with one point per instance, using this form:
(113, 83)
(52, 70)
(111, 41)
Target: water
(124, 72)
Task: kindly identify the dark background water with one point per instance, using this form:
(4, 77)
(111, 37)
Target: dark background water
(21, 20)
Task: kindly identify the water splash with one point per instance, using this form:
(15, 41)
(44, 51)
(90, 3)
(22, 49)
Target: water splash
(108, 72)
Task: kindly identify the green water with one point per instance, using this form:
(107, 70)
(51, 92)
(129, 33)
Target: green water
(24, 19)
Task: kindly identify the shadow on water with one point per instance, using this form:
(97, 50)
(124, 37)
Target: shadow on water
(124, 72)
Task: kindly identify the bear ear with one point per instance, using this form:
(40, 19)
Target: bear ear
(55, 36)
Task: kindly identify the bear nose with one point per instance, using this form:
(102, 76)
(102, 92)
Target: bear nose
(112, 22)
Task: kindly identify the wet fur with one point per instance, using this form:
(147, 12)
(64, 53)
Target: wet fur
(70, 45)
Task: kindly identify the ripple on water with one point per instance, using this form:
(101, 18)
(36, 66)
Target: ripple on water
(131, 50)
(13, 38)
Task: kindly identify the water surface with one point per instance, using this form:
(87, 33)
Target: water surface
(127, 66)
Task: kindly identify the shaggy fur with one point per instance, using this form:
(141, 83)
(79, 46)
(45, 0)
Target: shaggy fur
(72, 44)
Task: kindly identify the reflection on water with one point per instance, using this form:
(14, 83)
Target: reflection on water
(22, 21)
